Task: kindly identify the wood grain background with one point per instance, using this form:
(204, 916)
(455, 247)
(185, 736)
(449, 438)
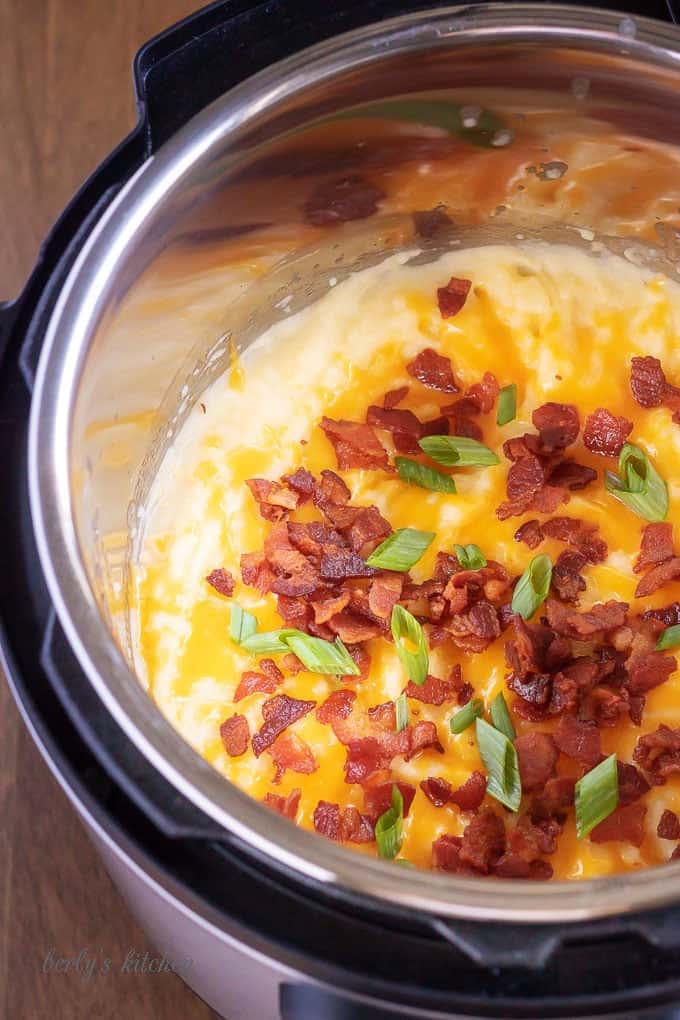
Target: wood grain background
(65, 100)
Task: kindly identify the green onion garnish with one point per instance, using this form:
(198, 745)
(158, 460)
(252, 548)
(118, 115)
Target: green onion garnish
(457, 450)
(319, 656)
(242, 624)
(389, 827)
(532, 588)
(270, 642)
(470, 556)
(401, 712)
(409, 641)
(669, 639)
(638, 484)
(500, 716)
(507, 404)
(500, 758)
(401, 550)
(467, 715)
(426, 477)
(596, 795)
(473, 124)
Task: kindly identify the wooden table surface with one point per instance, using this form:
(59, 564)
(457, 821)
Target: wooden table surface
(65, 101)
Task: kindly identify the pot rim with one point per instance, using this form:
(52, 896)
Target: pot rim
(73, 324)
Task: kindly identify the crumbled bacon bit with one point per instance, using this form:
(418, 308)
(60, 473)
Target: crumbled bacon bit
(331, 489)
(433, 370)
(361, 659)
(394, 397)
(632, 784)
(273, 499)
(384, 593)
(347, 198)
(483, 842)
(475, 629)
(384, 715)
(365, 756)
(537, 755)
(433, 692)
(368, 526)
(343, 825)
(337, 705)
(669, 616)
(286, 806)
(579, 534)
(356, 444)
(567, 581)
(557, 425)
(655, 578)
(422, 737)
(291, 752)
(252, 682)
(302, 481)
(471, 793)
(669, 826)
(624, 825)
(429, 222)
(649, 670)
(656, 546)
(530, 533)
(484, 394)
(570, 475)
(378, 799)
(647, 381)
(292, 663)
(256, 572)
(437, 790)
(222, 581)
(601, 617)
(658, 753)
(278, 713)
(578, 740)
(446, 853)
(235, 734)
(553, 802)
(525, 478)
(452, 297)
(605, 433)
(340, 564)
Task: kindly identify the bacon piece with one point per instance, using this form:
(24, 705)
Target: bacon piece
(251, 682)
(292, 663)
(312, 537)
(291, 752)
(453, 296)
(579, 534)
(378, 799)
(222, 581)
(553, 802)
(295, 575)
(658, 753)
(530, 533)
(429, 222)
(477, 628)
(632, 784)
(340, 564)
(337, 705)
(422, 737)
(658, 576)
(406, 428)
(557, 425)
(346, 198)
(234, 734)
(361, 659)
(433, 692)
(365, 756)
(394, 397)
(433, 370)
(437, 791)
(446, 853)
(384, 715)
(356, 444)
(601, 617)
(567, 581)
(278, 713)
(471, 793)
(286, 806)
(668, 615)
(669, 826)
(483, 842)
(303, 482)
(256, 572)
(342, 825)
(273, 499)
(331, 489)
(326, 608)
(578, 740)
(649, 670)
(647, 381)
(605, 433)
(656, 546)
(384, 593)
(525, 478)
(570, 475)
(353, 629)
(368, 526)
(537, 755)
(624, 825)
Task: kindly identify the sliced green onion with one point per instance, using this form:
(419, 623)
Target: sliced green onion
(470, 556)
(401, 712)
(242, 624)
(319, 656)
(270, 642)
(389, 827)
(406, 632)
(500, 716)
(596, 795)
(507, 404)
(401, 550)
(638, 484)
(467, 715)
(426, 477)
(457, 450)
(500, 758)
(669, 639)
(532, 588)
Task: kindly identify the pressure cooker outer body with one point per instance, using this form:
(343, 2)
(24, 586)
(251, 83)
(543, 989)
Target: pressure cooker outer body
(263, 942)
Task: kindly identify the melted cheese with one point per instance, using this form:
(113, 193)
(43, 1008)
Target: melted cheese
(561, 324)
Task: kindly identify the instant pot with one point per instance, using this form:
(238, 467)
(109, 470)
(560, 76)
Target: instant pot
(114, 337)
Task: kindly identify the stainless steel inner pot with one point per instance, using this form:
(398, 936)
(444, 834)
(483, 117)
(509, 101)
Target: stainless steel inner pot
(142, 326)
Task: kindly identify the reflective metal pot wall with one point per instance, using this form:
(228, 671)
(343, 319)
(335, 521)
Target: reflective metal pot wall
(162, 289)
